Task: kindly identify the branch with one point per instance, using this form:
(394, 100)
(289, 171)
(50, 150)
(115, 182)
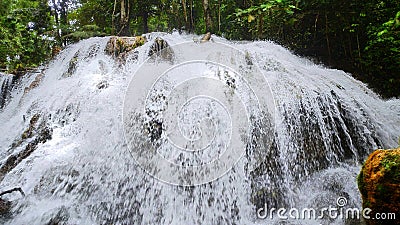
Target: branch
(12, 190)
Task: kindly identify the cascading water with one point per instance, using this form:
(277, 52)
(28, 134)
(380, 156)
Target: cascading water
(62, 141)
(6, 83)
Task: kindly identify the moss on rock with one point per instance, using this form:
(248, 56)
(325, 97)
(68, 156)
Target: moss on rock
(379, 184)
(119, 47)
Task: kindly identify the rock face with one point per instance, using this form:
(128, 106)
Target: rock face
(36, 133)
(7, 82)
(206, 37)
(71, 66)
(160, 50)
(379, 184)
(5, 207)
(118, 47)
(35, 83)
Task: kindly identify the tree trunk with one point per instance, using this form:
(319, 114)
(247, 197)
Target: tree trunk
(113, 18)
(64, 20)
(145, 17)
(125, 19)
(185, 15)
(260, 26)
(327, 40)
(191, 17)
(219, 16)
(207, 16)
(58, 36)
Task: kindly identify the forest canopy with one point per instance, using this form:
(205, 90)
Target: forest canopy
(361, 37)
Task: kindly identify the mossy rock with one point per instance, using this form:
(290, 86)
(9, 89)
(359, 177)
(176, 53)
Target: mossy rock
(379, 184)
(119, 47)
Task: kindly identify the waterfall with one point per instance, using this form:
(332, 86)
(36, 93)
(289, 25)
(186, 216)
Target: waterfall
(64, 137)
(7, 83)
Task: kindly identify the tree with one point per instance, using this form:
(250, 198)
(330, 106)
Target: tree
(98, 13)
(24, 27)
(124, 24)
(60, 10)
(207, 15)
(382, 55)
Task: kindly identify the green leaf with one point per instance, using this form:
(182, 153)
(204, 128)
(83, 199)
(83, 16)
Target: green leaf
(250, 18)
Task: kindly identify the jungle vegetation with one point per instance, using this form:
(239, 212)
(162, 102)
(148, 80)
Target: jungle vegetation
(360, 37)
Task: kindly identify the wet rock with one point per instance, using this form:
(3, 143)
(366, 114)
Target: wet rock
(160, 50)
(154, 130)
(206, 37)
(248, 59)
(379, 184)
(228, 79)
(158, 45)
(66, 115)
(29, 131)
(119, 47)
(36, 133)
(5, 207)
(71, 66)
(61, 217)
(13, 190)
(35, 83)
(93, 51)
(7, 83)
(102, 85)
(54, 182)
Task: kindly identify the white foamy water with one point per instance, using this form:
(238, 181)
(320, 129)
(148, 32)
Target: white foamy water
(325, 124)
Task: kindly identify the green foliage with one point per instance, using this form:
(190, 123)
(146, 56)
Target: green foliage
(93, 12)
(84, 32)
(23, 37)
(382, 54)
(391, 165)
(361, 37)
(358, 37)
(262, 17)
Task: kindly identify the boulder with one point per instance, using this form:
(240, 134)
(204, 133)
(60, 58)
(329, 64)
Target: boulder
(119, 47)
(160, 50)
(379, 184)
(206, 37)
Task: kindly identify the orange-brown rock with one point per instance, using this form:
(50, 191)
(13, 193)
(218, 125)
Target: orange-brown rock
(118, 47)
(35, 83)
(379, 184)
